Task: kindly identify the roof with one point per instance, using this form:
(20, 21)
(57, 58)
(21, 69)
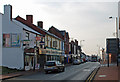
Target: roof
(34, 27)
(26, 27)
(50, 33)
(55, 31)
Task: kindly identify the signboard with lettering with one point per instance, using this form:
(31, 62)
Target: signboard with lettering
(15, 40)
(112, 45)
(38, 38)
(6, 40)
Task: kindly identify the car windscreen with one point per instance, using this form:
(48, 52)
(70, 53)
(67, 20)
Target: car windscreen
(50, 64)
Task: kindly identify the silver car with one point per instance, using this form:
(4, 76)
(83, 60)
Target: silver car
(51, 66)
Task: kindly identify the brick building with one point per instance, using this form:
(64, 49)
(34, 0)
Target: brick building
(65, 37)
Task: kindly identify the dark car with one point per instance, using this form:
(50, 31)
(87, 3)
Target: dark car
(51, 66)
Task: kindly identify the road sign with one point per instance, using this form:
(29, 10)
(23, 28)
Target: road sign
(112, 45)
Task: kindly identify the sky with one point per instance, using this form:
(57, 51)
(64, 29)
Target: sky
(84, 19)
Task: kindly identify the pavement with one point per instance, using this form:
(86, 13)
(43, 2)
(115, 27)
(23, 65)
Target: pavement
(108, 73)
(22, 73)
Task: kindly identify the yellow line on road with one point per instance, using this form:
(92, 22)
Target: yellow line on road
(92, 76)
(89, 77)
(93, 73)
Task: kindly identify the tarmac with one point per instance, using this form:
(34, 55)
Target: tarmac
(103, 73)
(22, 73)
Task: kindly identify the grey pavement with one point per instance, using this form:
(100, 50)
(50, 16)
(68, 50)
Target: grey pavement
(73, 72)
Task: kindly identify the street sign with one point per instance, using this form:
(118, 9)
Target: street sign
(112, 45)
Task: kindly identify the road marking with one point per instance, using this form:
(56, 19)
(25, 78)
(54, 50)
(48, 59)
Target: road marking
(54, 75)
(92, 76)
(94, 67)
(86, 70)
(102, 76)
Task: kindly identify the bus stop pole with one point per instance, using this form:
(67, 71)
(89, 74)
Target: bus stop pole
(108, 59)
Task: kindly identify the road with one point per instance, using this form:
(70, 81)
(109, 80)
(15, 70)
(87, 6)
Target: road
(73, 72)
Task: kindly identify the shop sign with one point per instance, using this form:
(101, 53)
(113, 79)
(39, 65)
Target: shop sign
(42, 43)
(15, 40)
(6, 40)
(27, 68)
(37, 66)
(42, 51)
(38, 38)
(29, 51)
(11, 40)
(112, 45)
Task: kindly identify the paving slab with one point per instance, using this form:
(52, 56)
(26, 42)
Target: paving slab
(108, 73)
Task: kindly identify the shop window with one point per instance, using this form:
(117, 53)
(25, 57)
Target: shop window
(48, 58)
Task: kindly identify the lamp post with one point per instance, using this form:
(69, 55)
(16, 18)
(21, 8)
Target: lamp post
(117, 33)
(81, 42)
(116, 26)
(81, 47)
(99, 50)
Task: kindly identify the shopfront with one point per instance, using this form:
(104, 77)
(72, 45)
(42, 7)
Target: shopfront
(29, 57)
(50, 54)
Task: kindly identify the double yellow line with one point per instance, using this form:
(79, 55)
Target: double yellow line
(89, 79)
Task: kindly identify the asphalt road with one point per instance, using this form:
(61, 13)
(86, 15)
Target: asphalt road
(73, 72)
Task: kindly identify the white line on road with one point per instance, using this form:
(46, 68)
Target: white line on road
(54, 75)
(86, 70)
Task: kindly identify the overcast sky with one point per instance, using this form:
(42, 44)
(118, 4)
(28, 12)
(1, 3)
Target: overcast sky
(84, 19)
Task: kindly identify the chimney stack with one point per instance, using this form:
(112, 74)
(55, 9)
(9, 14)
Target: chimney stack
(29, 18)
(8, 11)
(40, 24)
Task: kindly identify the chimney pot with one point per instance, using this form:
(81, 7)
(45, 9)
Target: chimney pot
(40, 24)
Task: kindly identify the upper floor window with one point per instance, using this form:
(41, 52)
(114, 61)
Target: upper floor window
(27, 35)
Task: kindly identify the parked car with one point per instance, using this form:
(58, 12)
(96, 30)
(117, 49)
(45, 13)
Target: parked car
(81, 60)
(76, 62)
(51, 66)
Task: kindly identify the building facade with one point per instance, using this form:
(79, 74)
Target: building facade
(65, 39)
(30, 40)
(74, 50)
(53, 48)
(12, 53)
(0, 39)
(18, 42)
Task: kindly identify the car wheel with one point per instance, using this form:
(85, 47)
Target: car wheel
(63, 69)
(46, 72)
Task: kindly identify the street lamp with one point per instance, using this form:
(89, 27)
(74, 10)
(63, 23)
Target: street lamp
(81, 42)
(116, 26)
(99, 50)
